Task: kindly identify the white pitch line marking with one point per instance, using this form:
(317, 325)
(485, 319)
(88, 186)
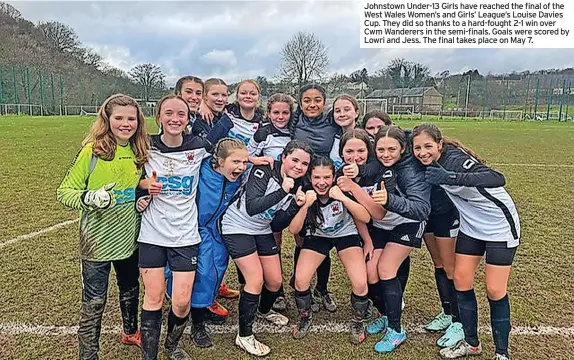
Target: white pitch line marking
(37, 233)
(328, 327)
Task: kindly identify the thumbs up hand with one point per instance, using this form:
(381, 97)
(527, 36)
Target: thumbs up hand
(151, 184)
(352, 170)
(346, 184)
(310, 198)
(102, 198)
(380, 196)
(154, 186)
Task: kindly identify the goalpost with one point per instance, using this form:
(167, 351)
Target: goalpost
(404, 109)
(85, 113)
(507, 114)
(76, 110)
(372, 104)
(365, 105)
(22, 109)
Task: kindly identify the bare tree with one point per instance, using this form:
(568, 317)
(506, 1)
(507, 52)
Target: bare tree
(61, 36)
(113, 71)
(360, 77)
(303, 58)
(149, 76)
(10, 10)
(406, 74)
(89, 57)
(337, 82)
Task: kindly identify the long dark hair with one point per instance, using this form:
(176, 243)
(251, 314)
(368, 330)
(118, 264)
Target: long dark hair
(315, 216)
(434, 132)
(297, 145)
(359, 134)
(392, 131)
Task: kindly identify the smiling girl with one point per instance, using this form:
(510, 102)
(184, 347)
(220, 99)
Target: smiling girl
(101, 184)
(245, 113)
(489, 229)
(219, 179)
(345, 112)
(211, 107)
(267, 145)
(328, 219)
(265, 205)
(169, 232)
(190, 88)
(406, 207)
(374, 120)
(316, 126)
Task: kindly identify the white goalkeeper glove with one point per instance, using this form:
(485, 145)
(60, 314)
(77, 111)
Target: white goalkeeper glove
(100, 199)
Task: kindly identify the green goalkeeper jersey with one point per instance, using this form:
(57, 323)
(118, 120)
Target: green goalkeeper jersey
(105, 234)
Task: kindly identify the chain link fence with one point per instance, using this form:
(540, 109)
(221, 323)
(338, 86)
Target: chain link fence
(539, 96)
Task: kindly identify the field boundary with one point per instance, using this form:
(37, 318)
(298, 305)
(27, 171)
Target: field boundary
(38, 233)
(328, 327)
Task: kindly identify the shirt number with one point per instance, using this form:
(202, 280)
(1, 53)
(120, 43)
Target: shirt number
(468, 164)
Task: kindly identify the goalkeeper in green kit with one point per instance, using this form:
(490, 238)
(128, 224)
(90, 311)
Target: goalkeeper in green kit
(101, 184)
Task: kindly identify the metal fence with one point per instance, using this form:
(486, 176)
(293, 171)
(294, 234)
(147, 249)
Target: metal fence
(540, 96)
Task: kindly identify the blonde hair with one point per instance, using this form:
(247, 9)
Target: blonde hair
(160, 104)
(280, 98)
(224, 148)
(247, 81)
(212, 82)
(103, 140)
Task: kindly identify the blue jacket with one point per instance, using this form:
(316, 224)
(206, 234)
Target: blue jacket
(214, 193)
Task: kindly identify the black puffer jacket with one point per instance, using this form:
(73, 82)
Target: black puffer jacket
(410, 195)
(318, 132)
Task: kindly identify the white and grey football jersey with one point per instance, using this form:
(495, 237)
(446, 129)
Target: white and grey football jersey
(337, 221)
(171, 217)
(242, 129)
(268, 141)
(487, 212)
(258, 204)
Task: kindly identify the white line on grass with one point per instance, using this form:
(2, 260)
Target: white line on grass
(37, 233)
(328, 327)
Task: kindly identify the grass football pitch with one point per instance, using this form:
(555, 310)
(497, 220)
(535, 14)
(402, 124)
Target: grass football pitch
(40, 288)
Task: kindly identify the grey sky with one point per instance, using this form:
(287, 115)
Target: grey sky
(241, 39)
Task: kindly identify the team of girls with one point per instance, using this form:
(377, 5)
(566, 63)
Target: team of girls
(373, 194)
(212, 95)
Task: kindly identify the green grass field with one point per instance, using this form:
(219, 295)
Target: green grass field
(40, 283)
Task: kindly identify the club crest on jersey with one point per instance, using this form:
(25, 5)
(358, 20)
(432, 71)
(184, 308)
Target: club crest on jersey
(336, 209)
(255, 127)
(190, 155)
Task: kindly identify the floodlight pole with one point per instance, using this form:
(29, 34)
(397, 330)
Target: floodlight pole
(467, 95)
(561, 100)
